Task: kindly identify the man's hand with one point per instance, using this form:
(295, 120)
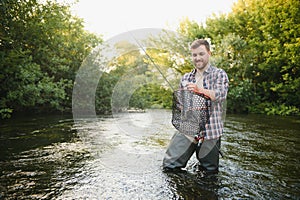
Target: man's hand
(194, 88)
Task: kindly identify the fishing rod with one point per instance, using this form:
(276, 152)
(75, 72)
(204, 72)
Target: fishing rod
(152, 61)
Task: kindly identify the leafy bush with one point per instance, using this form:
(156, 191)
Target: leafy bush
(270, 108)
(241, 96)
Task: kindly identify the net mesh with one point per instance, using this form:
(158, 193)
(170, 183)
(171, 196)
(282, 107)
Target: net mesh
(190, 112)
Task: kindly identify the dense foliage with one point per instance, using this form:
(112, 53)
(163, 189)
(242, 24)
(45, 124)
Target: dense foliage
(42, 46)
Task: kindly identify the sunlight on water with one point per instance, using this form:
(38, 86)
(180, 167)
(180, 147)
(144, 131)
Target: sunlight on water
(120, 158)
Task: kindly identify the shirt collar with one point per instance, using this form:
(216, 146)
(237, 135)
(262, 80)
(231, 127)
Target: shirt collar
(207, 70)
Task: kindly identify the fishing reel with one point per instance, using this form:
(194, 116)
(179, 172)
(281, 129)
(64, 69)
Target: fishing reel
(198, 139)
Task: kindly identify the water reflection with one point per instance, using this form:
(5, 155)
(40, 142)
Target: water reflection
(187, 185)
(120, 158)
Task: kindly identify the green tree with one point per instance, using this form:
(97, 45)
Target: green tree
(271, 29)
(41, 47)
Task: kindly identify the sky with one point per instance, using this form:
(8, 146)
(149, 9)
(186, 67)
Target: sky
(112, 17)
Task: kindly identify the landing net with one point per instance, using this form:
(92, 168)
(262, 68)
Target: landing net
(190, 112)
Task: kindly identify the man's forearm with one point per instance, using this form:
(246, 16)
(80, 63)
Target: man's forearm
(206, 92)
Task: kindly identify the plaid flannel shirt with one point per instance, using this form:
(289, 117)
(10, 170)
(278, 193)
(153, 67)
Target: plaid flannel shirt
(214, 79)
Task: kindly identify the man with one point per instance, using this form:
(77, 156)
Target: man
(212, 82)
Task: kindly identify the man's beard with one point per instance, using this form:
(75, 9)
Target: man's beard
(200, 65)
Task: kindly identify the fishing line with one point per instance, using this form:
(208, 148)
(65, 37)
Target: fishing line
(152, 61)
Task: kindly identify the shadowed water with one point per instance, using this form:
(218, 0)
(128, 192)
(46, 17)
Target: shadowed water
(120, 158)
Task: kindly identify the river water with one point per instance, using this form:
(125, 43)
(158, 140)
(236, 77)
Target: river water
(120, 157)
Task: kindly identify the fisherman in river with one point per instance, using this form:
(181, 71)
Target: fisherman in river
(207, 84)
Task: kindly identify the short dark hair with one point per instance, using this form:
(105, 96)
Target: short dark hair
(200, 42)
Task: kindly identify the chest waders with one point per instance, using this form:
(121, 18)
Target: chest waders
(190, 116)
